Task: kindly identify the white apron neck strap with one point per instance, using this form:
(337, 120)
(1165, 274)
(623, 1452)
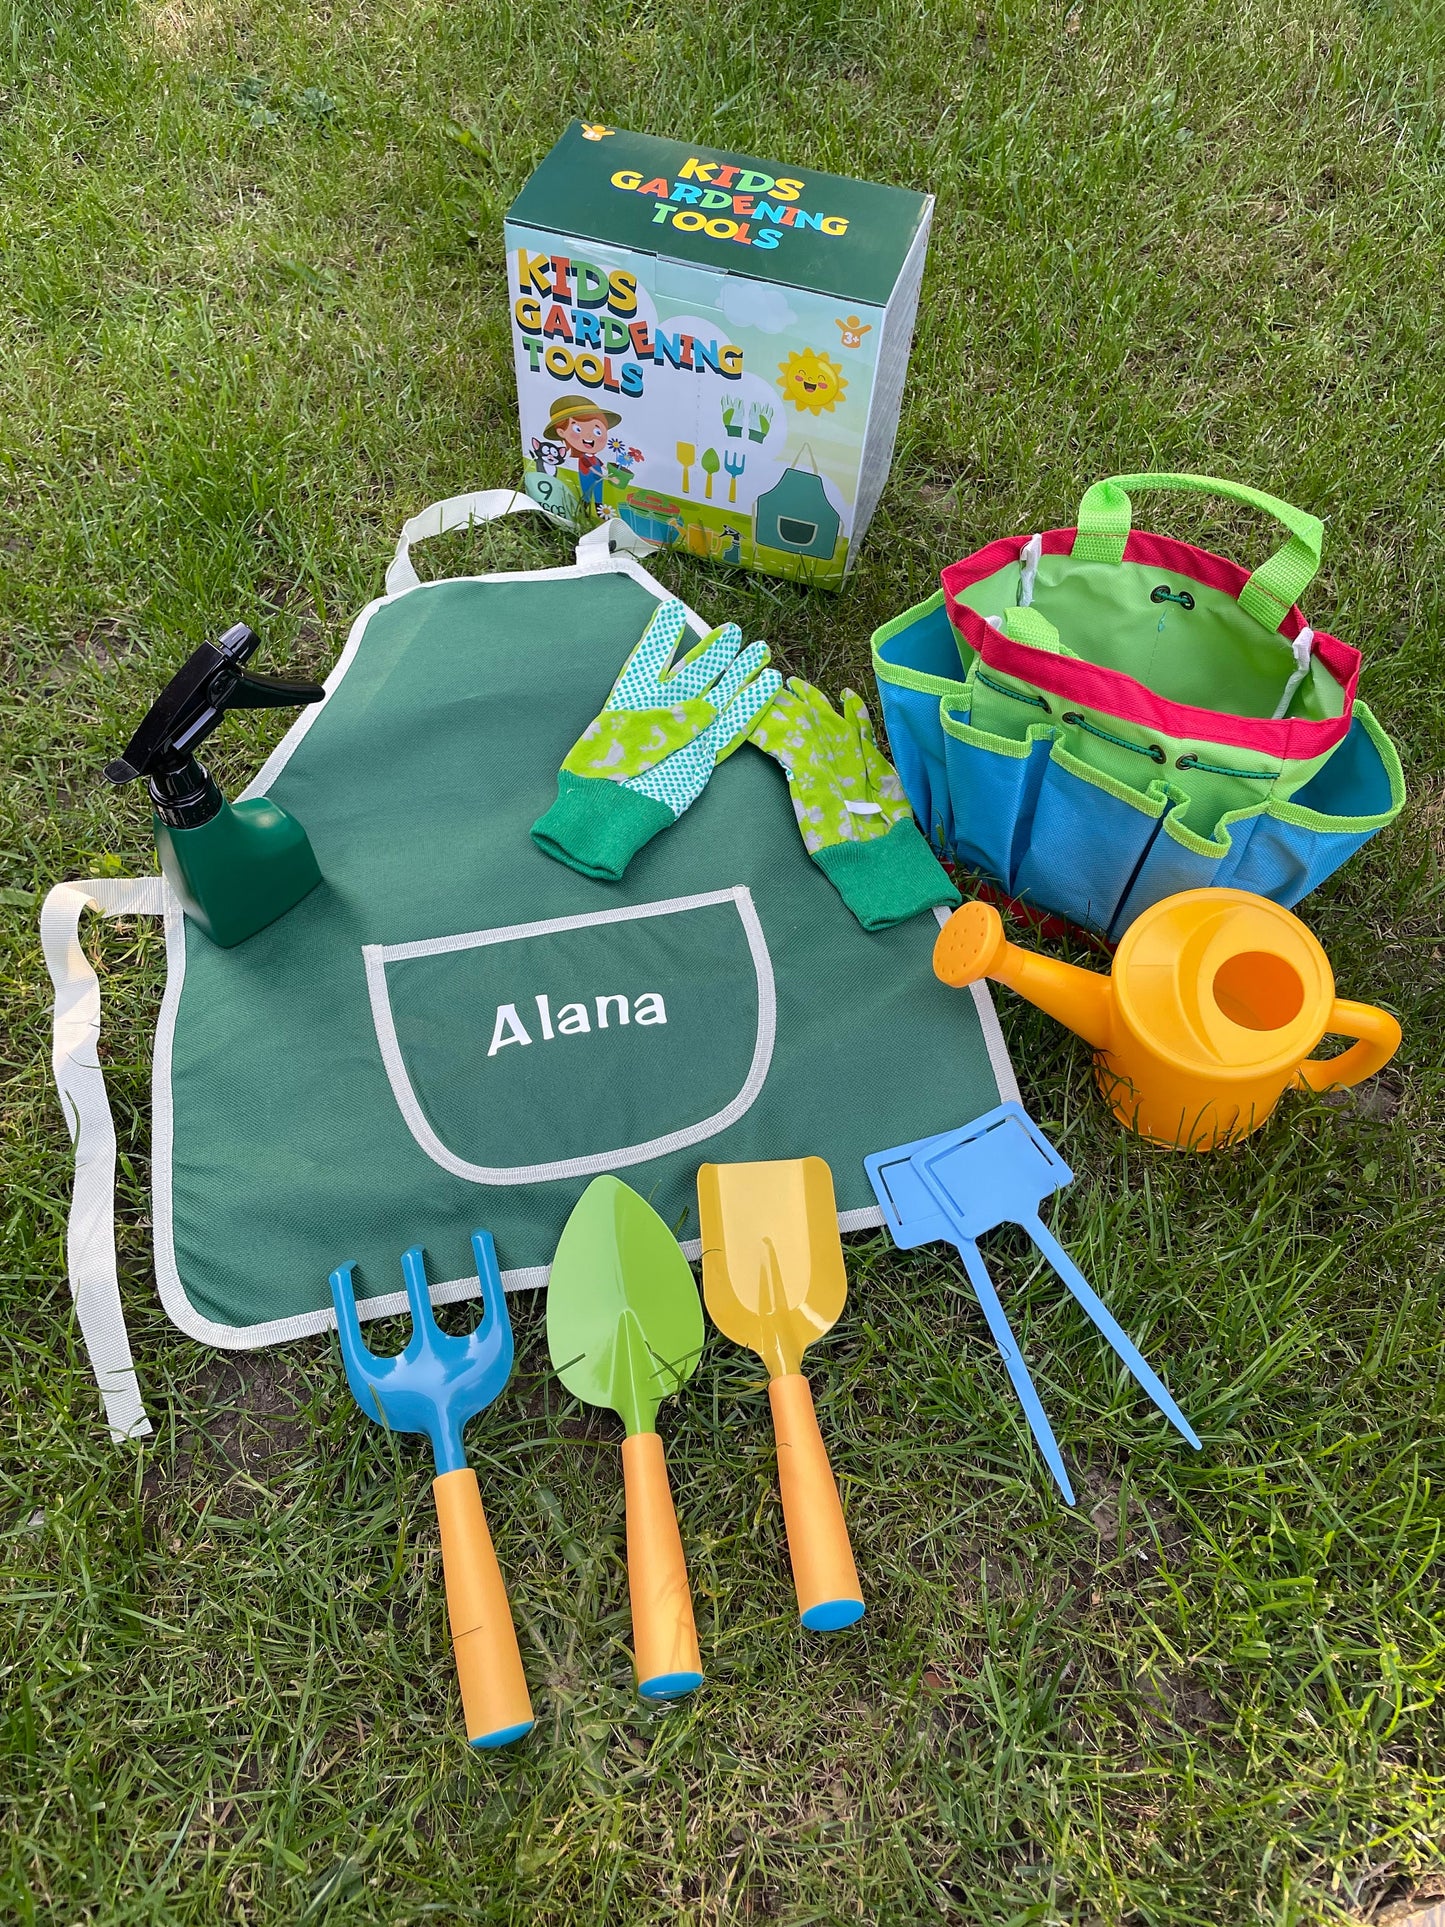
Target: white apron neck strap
(595, 550)
(456, 512)
(90, 1235)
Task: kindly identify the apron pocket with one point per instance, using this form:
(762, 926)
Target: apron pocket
(579, 1044)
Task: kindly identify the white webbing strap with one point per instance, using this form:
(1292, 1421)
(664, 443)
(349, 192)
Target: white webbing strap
(80, 1082)
(594, 551)
(456, 512)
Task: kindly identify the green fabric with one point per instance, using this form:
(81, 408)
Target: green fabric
(1032, 627)
(1132, 756)
(889, 879)
(1210, 655)
(847, 798)
(1106, 516)
(440, 920)
(659, 736)
(844, 790)
(598, 827)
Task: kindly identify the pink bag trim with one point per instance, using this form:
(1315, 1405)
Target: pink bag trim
(1292, 739)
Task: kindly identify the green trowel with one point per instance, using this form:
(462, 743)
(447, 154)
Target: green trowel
(624, 1326)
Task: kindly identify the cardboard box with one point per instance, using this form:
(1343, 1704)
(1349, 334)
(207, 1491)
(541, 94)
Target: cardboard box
(711, 348)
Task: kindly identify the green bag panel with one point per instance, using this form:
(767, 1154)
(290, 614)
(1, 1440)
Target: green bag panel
(374, 1070)
(1211, 656)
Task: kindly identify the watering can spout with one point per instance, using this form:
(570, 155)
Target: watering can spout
(972, 945)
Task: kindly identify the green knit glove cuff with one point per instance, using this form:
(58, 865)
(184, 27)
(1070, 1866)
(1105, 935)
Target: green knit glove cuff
(597, 827)
(888, 879)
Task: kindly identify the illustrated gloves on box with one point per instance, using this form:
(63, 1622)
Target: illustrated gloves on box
(647, 757)
(856, 822)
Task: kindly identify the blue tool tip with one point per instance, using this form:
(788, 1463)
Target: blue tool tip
(503, 1736)
(669, 1686)
(832, 1615)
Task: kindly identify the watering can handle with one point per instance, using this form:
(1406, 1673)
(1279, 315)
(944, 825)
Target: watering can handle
(664, 1636)
(484, 1641)
(824, 1574)
(1106, 516)
(1379, 1038)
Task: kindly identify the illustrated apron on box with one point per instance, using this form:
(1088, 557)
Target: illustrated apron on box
(453, 1031)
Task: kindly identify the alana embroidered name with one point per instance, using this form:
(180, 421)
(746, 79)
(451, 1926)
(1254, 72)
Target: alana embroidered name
(573, 1020)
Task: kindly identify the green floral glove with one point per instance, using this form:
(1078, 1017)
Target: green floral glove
(856, 821)
(648, 755)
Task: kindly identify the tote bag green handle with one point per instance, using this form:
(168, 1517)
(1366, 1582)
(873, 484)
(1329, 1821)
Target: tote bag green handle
(1106, 516)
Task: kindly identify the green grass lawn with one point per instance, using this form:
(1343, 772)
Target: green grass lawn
(255, 315)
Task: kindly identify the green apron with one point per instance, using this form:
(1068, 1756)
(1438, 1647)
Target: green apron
(455, 1031)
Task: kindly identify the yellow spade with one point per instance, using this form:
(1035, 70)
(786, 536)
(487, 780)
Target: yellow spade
(774, 1280)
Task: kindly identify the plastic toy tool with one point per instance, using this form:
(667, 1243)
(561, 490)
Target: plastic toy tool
(774, 1280)
(435, 1386)
(1215, 1002)
(235, 866)
(624, 1328)
(959, 1185)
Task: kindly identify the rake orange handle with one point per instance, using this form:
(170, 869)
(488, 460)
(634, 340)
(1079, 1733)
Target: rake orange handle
(664, 1636)
(824, 1574)
(495, 1701)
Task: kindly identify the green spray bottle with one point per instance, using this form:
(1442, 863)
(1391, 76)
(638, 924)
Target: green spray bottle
(235, 866)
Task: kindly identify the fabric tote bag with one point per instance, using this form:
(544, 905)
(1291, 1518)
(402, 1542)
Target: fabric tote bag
(1095, 717)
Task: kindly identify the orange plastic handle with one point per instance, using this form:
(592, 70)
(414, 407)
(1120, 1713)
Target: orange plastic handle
(664, 1636)
(1379, 1035)
(824, 1574)
(484, 1641)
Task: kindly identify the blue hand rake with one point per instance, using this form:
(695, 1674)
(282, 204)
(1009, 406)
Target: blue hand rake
(959, 1185)
(435, 1386)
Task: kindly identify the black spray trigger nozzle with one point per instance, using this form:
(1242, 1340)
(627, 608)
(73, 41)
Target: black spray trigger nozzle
(211, 681)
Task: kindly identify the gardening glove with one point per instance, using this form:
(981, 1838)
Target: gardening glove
(856, 822)
(648, 756)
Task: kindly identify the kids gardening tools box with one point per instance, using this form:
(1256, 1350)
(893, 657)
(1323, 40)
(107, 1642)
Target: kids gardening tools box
(711, 347)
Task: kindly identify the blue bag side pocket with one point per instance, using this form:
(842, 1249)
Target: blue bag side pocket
(993, 785)
(1288, 849)
(1281, 850)
(916, 663)
(1088, 837)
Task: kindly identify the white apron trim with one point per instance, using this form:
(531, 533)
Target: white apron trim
(377, 956)
(90, 1238)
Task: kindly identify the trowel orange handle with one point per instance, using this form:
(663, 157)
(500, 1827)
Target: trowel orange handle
(484, 1641)
(1379, 1038)
(826, 1579)
(664, 1637)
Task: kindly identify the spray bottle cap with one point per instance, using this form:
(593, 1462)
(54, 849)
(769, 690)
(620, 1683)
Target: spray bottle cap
(191, 705)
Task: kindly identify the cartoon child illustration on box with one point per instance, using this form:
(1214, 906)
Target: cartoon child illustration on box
(581, 427)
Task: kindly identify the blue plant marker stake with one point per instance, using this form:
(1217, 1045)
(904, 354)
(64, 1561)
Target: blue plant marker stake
(963, 1183)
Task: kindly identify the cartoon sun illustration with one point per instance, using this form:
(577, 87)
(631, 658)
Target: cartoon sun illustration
(595, 131)
(811, 382)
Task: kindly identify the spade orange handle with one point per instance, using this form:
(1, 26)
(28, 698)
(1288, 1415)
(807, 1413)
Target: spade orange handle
(824, 1574)
(495, 1701)
(664, 1636)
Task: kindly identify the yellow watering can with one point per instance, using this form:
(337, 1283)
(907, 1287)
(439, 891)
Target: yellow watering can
(1216, 1000)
